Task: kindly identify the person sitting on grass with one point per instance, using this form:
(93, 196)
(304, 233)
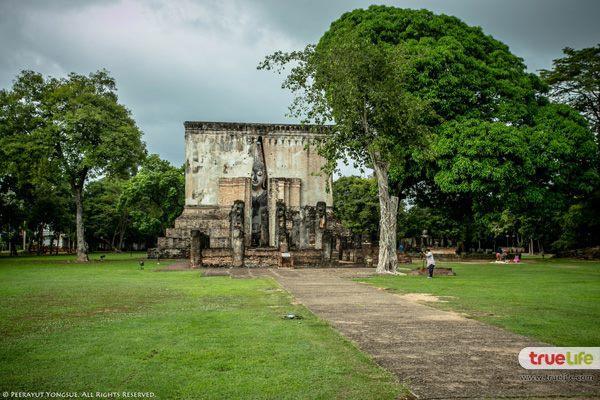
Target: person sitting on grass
(430, 262)
(499, 254)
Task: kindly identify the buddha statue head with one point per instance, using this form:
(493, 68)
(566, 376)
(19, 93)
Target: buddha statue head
(259, 173)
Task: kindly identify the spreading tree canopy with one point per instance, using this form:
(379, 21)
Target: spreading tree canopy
(517, 178)
(575, 80)
(154, 197)
(73, 127)
(137, 209)
(355, 204)
(388, 78)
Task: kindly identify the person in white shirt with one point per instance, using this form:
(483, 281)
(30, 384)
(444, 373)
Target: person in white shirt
(430, 262)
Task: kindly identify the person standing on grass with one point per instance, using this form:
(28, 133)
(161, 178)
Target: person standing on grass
(430, 262)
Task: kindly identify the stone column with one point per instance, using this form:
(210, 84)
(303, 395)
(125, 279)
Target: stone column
(236, 224)
(321, 224)
(335, 248)
(295, 230)
(264, 227)
(195, 249)
(327, 246)
(303, 228)
(282, 237)
(357, 248)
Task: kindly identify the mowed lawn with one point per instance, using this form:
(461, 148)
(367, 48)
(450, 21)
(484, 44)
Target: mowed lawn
(556, 301)
(111, 327)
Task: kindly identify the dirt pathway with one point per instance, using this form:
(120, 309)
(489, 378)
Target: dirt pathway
(438, 354)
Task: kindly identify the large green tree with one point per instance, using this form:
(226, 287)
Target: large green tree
(388, 77)
(76, 126)
(355, 204)
(153, 198)
(518, 178)
(575, 80)
(134, 210)
(12, 212)
(106, 221)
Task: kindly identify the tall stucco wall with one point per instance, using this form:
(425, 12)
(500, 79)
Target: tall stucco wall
(225, 150)
(210, 156)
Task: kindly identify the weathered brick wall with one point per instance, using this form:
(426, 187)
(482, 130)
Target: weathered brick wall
(219, 159)
(216, 150)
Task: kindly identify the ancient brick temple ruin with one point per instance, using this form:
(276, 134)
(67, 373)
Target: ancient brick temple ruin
(256, 196)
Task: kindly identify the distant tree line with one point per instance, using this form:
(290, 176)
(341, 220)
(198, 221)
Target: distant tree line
(73, 166)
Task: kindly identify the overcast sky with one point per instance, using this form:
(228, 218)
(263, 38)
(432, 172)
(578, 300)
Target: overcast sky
(196, 60)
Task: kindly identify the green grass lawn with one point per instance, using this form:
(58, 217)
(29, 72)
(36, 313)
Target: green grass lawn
(112, 327)
(556, 301)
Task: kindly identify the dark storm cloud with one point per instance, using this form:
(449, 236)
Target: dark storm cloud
(535, 30)
(184, 60)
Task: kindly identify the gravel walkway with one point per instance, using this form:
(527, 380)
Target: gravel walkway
(438, 354)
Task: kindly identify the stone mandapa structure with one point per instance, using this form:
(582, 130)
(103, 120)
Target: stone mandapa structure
(256, 196)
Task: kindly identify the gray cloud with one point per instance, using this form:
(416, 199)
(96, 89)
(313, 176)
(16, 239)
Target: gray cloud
(186, 60)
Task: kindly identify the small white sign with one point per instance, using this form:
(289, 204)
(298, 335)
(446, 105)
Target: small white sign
(560, 358)
(286, 255)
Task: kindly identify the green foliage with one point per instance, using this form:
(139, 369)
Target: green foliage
(414, 220)
(62, 132)
(530, 173)
(393, 81)
(106, 223)
(27, 169)
(134, 210)
(154, 197)
(12, 211)
(575, 80)
(580, 224)
(384, 75)
(89, 131)
(355, 204)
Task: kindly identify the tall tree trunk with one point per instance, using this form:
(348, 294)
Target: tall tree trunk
(114, 237)
(40, 239)
(122, 229)
(121, 235)
(82, 249)
(388, 206)
(51, 247)
(531, 246)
